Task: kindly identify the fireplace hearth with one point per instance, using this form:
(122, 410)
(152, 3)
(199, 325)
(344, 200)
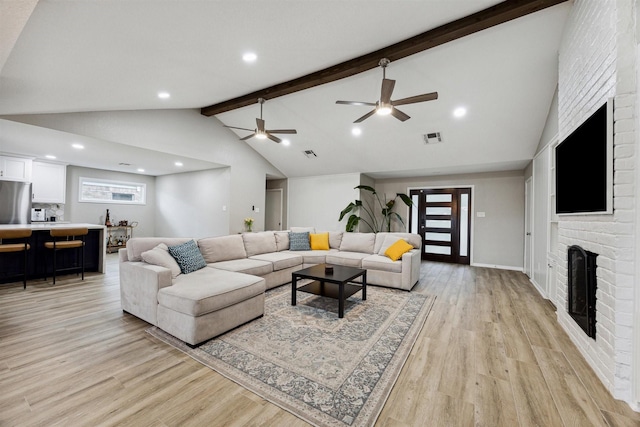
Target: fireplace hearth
(582, 287)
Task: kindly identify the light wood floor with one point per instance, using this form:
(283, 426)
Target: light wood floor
(490, 354)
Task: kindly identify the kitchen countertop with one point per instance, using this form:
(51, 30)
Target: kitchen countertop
(50, 225)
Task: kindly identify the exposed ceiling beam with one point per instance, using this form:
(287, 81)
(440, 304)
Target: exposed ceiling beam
(492, 16)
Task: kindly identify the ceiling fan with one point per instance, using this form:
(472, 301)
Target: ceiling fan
(385, 105)
(260, 132)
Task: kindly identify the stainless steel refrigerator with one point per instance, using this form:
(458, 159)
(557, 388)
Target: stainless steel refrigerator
(15, 202)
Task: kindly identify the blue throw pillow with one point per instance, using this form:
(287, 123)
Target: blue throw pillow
(188, 257)
(299, 241)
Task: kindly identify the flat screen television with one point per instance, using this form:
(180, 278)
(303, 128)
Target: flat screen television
(584, 166)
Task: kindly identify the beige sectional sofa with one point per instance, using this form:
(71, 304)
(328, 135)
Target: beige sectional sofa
(229, 291)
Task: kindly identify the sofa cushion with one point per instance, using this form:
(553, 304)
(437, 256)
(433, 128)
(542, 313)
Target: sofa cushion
(299, 241)
(137, 245)
(282, 240)
(381, 239)
(382, 263)
(395, 251)
(314, 257)
(358, 242)
(349, 259)
(208, 290)
(188, 257)
(259, 243)
(222, 248)
(280, 260)
(160, 256)
(388, 240)
(335, 238)
(319, 241)
(245, 265)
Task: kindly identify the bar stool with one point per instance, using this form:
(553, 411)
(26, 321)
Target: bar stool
(66, 238)
(24, 246)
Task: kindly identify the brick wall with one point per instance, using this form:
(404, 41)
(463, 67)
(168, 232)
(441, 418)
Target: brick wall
(597, 61)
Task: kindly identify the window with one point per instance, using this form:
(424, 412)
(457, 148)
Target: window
(94, 190)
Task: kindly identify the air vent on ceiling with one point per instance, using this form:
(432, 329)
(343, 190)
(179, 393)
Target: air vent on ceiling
(310, 153)
(432, 138)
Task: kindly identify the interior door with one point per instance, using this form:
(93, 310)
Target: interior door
(443, 218)
(528, 241)
(273, 210)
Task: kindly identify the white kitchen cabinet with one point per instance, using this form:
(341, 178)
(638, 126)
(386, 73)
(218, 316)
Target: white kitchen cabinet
(15, 168)
(49, 182)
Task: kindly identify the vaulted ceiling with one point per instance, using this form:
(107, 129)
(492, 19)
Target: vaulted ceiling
(77, 56)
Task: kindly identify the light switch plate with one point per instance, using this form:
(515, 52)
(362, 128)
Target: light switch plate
(480, 214)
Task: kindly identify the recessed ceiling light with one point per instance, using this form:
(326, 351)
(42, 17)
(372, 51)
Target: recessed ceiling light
(356, 131)
(249, 57)
(140, 170)
(77, 146)
(164, 95)
(50, 156)
(178, 163)
(286, 142)
(460, 112)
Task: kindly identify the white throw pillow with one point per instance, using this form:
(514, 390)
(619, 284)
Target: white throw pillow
(160, 256)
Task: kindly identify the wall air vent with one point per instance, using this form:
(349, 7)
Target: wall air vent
(309, 153)
(432, 138)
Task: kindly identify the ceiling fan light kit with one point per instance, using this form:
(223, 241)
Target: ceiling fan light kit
(385, 106)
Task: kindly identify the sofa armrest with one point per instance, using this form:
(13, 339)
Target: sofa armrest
(139, 286)
(410, 268)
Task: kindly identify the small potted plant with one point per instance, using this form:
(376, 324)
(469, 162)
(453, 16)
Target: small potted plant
(248, 224)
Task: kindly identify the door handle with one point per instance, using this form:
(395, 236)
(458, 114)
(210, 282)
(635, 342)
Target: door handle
(528, 233)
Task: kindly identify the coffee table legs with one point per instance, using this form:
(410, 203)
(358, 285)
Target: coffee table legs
(341, 301)
(294, 282)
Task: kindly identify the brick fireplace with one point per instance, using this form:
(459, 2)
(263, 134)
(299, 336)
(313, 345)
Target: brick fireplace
(598, 60)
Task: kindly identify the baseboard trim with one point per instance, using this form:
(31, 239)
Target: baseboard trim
(499, 267)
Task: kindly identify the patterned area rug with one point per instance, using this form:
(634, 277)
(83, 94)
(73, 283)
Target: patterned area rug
(324, 370)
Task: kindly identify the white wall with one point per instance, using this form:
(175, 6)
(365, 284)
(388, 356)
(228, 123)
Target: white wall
(598, 60)
(192, 204)
(94, 213)
(498, 238)
(317, 201)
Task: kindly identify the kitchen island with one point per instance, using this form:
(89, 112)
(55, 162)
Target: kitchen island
(39, 259)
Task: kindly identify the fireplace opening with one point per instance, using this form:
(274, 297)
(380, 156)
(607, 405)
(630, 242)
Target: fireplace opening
(582, 288)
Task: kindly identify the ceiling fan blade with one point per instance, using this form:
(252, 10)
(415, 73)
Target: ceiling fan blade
(273, 138)
(372, 104)
(387, 90)
(399, 115)
(233, 127)
(414, 99)
(248, 137)
(366, 116)
(289, 131)
(260, 124)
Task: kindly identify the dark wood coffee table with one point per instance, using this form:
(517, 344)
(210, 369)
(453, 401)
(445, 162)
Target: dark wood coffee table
(338, 284)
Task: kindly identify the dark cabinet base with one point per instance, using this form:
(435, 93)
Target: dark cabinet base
(40, 259)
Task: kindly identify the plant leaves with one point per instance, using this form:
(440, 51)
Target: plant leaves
(406, 199)
(352, 223)
(366, 187)
(346, 210)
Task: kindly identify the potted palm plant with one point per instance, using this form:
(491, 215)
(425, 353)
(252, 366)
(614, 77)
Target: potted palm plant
(374, 222)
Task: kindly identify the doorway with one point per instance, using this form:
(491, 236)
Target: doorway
(273, 210)
(443, 218)
(528, 216)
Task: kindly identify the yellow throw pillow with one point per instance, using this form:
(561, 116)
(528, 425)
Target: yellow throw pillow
(396, 250)
(319, 242)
